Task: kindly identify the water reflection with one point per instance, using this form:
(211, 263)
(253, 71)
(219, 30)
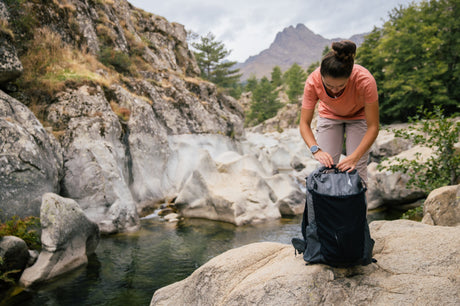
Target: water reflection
(127, 268)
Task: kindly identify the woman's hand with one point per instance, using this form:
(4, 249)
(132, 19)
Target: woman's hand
(348, 163)
(324, 158)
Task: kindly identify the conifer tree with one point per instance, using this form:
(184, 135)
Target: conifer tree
(295, 80)
(264, 104)
(210, 57)
(277, 76)
(251, 84)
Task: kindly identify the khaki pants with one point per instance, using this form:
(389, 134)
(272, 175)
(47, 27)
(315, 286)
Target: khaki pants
(331, 134)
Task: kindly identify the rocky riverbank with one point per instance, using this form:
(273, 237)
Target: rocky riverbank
(117, 145)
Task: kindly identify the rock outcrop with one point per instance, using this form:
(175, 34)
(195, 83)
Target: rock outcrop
(31, 161)
(221, 179)
(68, 237)
(10, 65)
(387, 145)
(94, 156)
(416, 264)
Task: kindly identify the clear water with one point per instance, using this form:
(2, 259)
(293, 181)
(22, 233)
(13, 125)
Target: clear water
(128, 268)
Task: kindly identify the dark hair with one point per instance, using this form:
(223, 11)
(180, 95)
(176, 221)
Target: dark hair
(338, 63)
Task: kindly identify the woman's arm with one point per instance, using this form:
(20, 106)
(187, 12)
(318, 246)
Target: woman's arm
(306, 116)
(372, 119)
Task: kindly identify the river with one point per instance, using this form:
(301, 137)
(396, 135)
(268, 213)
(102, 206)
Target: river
(126, 269)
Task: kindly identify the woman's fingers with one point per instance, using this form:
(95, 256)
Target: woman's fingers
(324, 158)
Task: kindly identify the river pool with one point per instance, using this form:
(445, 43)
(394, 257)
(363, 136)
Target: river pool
(126, 269)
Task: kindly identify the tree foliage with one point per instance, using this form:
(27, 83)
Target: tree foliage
(414, 59)
(210, 57)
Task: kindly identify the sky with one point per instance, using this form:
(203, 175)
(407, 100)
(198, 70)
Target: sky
(247, 27)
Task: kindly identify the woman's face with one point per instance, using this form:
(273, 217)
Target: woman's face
(335, 86)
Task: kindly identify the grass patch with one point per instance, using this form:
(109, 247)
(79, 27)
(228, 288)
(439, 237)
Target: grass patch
(50, 64)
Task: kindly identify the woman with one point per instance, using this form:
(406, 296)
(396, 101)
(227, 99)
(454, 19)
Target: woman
(348, 110)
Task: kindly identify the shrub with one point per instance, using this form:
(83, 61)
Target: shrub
(120, 61)
(438, 133)
(415, 214)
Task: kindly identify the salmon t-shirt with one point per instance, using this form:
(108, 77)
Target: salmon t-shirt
(361, 88)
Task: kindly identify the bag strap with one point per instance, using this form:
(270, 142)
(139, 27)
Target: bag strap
(333, 168)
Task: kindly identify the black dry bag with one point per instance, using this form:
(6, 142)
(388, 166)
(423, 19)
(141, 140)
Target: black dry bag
(334, 225)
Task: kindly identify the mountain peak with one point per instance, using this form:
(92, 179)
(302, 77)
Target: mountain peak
(291, 36)
(292, 45)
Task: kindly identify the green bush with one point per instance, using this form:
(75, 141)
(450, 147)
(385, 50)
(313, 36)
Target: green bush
(438, 133)
(415, 214)
(120, 61)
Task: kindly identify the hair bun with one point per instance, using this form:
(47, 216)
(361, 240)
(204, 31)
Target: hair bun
(344, 50)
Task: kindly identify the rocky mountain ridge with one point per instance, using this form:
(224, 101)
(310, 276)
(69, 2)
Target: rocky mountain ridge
(292, 45)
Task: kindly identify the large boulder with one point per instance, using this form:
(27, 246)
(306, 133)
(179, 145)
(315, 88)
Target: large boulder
(68, 237)
(417, 264)
(239, 197)
(285, 151)
(290, 198)
(390, 188)
(442, 206)
(31, 161)
(387, 145)
(14, 254)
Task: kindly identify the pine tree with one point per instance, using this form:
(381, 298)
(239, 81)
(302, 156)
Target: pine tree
(264, 104)
(210, 58)
(295, 80)
(251, 84)
(277, 76)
